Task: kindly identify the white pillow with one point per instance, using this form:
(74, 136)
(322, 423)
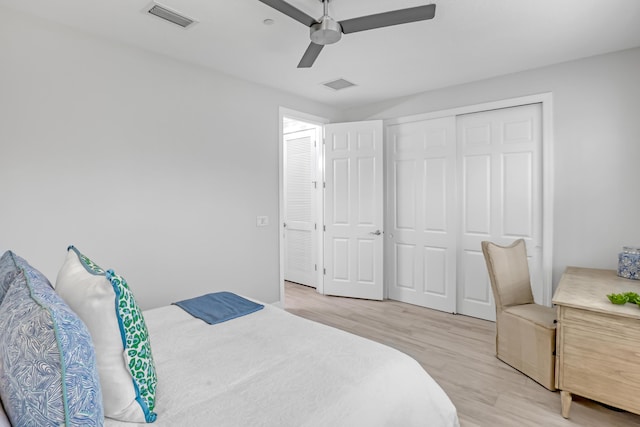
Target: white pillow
(123, 352)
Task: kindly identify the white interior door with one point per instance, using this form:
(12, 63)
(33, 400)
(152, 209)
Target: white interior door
(353, 210)
(300, 187)
(500, 180)
(421, 215)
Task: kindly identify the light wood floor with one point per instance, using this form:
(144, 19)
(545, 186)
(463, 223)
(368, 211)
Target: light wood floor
(458, 352)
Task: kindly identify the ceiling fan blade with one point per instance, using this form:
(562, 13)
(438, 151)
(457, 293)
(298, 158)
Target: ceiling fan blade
(386, 19)
(310, 55)
(290, 11)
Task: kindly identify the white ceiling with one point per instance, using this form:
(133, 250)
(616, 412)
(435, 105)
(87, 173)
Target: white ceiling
(467, 40)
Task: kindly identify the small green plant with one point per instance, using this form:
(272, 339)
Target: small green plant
(633, 297)
(618, 298)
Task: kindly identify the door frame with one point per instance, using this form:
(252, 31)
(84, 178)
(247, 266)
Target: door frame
(319, 121)
(546, 100)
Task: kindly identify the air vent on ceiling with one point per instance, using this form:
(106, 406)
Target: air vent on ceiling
(170, 15)
(338, 84)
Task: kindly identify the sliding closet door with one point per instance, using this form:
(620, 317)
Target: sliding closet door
(422, 218)
(452, 183)
(500, 197)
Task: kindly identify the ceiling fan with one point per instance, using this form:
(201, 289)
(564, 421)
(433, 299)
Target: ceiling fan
(326, 30)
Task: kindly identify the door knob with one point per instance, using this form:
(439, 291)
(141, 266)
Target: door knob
(375, 233)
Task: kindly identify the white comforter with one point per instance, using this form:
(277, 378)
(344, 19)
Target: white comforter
(272, 368)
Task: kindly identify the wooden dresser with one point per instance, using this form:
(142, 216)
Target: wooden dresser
(597, 343)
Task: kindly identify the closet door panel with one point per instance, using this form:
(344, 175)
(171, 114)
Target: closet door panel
(501, 174)
(476, 194)
(435, 195)
(517, 200)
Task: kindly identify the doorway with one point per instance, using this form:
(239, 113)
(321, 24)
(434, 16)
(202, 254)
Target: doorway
(331, 205)
(301, 141)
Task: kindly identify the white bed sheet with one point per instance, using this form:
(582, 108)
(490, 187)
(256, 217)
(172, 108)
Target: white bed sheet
(272, 368)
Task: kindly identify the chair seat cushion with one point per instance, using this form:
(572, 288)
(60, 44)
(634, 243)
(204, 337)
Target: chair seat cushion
(539, 314)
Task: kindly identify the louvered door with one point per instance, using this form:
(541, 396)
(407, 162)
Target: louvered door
(300, 185)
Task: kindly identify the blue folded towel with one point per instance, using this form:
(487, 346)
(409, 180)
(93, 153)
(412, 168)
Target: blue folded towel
(218, 307)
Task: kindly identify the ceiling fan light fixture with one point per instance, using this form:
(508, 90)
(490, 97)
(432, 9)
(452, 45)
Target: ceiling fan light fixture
(325, 32)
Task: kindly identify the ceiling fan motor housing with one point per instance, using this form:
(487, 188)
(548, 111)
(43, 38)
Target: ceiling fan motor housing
(327, 31)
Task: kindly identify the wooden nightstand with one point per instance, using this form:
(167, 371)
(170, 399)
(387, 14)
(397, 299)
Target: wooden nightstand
(597, 343)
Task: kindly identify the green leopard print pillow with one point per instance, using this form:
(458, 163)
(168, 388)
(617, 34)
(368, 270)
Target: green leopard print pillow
(91, 266)
(135, 339)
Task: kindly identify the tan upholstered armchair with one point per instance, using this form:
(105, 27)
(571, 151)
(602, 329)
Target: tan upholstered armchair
(525, 331)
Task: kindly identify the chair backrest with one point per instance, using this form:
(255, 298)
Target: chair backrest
(509, 273)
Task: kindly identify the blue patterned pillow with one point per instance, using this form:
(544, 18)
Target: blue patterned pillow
(10, 265)
(8, 272)
(48, 374)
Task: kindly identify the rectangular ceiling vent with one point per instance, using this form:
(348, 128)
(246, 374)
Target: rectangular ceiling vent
(338, 84)
(170, 15)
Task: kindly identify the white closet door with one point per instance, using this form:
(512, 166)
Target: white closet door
(422, 218)
(500, 182)
(353, 210)
(300, 250)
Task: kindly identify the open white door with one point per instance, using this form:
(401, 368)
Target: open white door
(422, 219)
(353, 210)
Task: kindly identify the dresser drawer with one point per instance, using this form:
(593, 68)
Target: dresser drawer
(600, 357)
(606, 323)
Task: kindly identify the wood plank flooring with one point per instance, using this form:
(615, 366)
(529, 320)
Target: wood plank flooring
(458, 352)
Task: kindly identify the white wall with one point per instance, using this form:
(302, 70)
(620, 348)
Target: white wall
(152, 167)
(596, 151)
(158, 169)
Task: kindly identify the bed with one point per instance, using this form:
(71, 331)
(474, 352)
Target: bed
(83, 354)
(272, 368)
